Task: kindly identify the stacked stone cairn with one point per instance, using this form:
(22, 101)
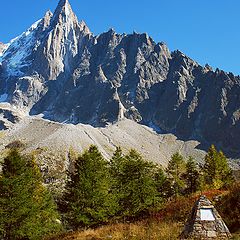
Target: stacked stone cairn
(205, 222)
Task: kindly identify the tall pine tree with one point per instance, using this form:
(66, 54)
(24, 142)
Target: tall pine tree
(192, 176)
(134, 184)
(88, 198)
(176, 169)
(27, 210)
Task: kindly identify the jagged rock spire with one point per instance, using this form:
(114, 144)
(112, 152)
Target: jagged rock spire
(46, 20)
(64, 36)
(63, 13)
(63, 2)
(63, 5)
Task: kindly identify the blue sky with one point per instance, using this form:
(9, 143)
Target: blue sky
(206, 30)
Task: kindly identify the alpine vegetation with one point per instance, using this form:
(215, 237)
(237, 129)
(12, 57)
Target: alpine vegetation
(27, 209)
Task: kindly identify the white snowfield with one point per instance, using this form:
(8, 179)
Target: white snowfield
(19, 48)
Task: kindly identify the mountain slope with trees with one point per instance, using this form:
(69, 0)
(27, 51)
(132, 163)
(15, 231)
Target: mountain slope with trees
(98, 192)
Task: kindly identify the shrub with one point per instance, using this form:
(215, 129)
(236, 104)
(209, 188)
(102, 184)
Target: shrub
(17, 144)
(229, 208)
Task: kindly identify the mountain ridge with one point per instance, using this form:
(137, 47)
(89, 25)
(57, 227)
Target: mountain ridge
(67, 74)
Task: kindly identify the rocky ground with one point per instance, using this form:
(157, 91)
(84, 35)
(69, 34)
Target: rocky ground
(52, 143)
(38, 133)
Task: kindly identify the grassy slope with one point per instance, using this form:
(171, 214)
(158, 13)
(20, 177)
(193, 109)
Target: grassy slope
(167, 224)
(141, 230)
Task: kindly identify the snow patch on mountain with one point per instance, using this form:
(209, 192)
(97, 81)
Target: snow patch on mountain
(19, 49)
(3, 50)
(67, 10)
(32, 28)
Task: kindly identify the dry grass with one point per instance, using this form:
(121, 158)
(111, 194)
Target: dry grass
(167, 224)
(143, 230)
(236, 236)
(178, 210)
(2, 134)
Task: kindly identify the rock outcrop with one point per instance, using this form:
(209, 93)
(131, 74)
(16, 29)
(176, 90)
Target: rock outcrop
(2, 48)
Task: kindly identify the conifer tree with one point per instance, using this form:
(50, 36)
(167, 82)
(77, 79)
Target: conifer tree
(115, 163)
(217, 172)
(134, 184)
(163, 184)
(192, 176)
(27, 210)
(88, 198)
(176, 169)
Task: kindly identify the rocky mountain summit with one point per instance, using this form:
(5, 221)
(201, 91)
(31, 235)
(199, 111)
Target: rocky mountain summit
(2, 48)
(59, 69)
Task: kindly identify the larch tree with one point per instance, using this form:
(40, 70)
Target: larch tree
(175, 170)
(88, 199)
(27, 209)
(134, 184)
(192, 176)
(216, 170)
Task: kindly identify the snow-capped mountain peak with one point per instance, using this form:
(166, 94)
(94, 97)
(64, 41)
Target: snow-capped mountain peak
(54, 39)
(62, 41)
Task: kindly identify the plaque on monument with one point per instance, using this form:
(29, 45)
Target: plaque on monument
(207, 214)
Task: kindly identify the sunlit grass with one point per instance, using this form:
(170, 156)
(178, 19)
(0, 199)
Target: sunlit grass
(142, 230)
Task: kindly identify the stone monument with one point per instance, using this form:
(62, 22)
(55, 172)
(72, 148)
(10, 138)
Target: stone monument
(205, 222)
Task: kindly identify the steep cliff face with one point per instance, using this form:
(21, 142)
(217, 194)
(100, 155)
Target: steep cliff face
(45, 52)
(197, 103)
(59, 69)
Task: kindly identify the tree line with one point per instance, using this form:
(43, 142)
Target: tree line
(98, 191)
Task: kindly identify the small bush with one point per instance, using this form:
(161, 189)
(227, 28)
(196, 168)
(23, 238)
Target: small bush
(229, 208)
(180, 208)
(15, 145)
